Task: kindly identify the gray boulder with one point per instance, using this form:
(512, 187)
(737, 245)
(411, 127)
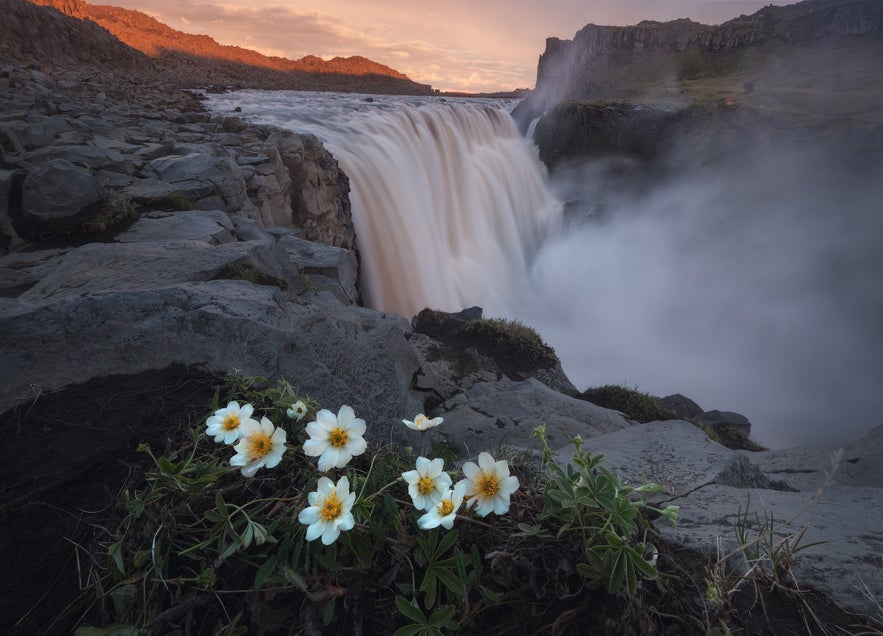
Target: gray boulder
(58, 189)
(208, 179)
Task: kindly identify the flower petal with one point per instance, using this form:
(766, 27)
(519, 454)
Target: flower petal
(309, 515)
(346, 522)
(486, 461)
(345, 415)
(357, 427)
(435, 467)
(315, 530)
(330, 535)
(315, 447)
(326, 419)
(356, 446)
(470, 470)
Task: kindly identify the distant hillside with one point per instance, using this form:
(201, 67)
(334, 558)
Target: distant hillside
(813, 57)
(34, 35)
(198, 60)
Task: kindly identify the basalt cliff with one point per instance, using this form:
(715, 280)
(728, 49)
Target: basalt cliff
(790, 73)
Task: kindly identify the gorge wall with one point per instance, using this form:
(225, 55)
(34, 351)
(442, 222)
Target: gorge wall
(603, 60)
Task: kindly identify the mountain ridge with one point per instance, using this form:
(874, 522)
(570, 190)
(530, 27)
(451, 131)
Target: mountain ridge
(190, 60)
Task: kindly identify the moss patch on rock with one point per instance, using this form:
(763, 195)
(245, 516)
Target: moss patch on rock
(636, 405)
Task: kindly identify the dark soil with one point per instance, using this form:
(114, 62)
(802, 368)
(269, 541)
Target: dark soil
(64, 458)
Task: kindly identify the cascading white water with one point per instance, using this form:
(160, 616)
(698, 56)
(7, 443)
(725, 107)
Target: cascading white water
(449, 201)
(734, 285)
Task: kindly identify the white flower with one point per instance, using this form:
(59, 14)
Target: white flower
(427, 484)
(226, 424)
(335, 440)
(329, 511)
(422, 423)
(297, 411)
(444, 512)
(262, 445)
(487, 486)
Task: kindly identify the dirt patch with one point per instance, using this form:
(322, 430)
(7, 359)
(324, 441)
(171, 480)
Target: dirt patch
(64, 458)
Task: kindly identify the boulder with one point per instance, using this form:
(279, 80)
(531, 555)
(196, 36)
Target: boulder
(129, 308)
(58, 190)
(207, 179)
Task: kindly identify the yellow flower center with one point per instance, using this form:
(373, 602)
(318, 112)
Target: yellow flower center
(425, 486)
(231, 422)
(420, 421)
(259, 445)
(445, 507)
(330, 509)
(487, 485)
(339, 438)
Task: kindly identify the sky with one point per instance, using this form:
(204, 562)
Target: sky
(454, 45)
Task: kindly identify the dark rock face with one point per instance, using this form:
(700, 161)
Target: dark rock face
(47, 36)
(577, 68)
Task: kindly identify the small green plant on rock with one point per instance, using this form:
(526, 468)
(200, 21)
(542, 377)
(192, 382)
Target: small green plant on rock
(635, 404)
(116, 212)
(512, 340)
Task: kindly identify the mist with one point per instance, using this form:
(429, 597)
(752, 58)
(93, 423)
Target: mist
(753, 286)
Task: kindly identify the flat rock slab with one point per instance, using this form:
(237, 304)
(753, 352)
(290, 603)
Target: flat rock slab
(849, 520)
(211, 227)
(505, 413)
(675, 454)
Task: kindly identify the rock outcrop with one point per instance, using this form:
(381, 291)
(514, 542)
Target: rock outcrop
(595, 61)
(828, 494)
(165, 154)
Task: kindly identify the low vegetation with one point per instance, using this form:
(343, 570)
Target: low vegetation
(199, 547)
(636, 405)
(116, 212)
(510, 341)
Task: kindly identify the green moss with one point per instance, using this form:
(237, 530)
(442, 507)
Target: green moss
(116, 211)
(636, 405)
(167, 203)
(242, 270)
(511, 342)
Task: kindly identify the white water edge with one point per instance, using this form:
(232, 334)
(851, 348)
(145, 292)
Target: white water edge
(722, 286)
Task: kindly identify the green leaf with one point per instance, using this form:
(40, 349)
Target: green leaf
(409, 630)
(328, 614)
(294, 578)
(441, 616)
(449, 580)
(266, 569)
(230, 551)
(409, 610)
(446, 543)
(115, 551)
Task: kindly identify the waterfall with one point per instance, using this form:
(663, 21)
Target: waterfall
(736, 284)
(449, 201)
